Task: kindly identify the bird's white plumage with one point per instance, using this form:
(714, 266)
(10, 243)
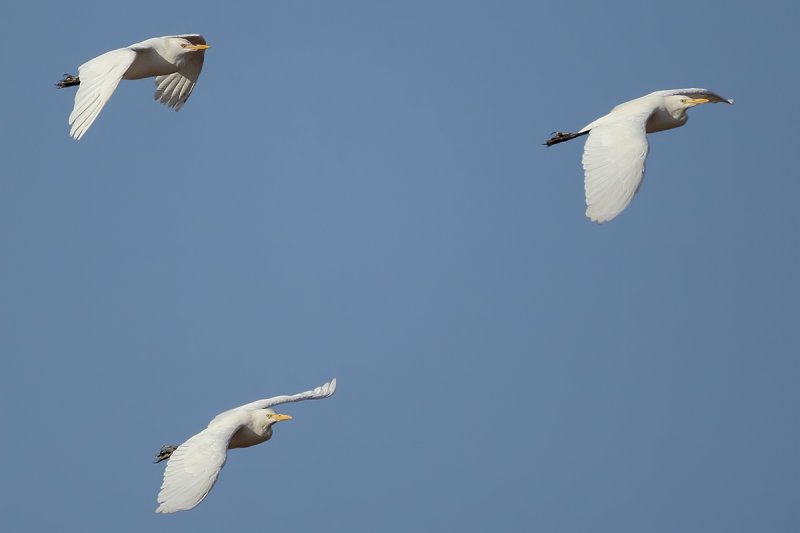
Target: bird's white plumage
(173, 60)
(174, 89)
(323, 391)
(195, 465)
(693, 92)
(613, 164)
(99, 79)
(616, 148)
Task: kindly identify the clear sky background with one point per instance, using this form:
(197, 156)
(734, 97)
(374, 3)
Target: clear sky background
(357, 189)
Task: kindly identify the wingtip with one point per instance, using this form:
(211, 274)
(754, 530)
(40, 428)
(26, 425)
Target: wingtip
(598, 218)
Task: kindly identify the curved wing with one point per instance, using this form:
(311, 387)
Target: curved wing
(194, 466)
(99, 79)
(174, 89)
(323, 391)
(696, 92)
(613, 164)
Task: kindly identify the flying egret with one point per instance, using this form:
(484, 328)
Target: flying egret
(193, 466)
(175, 61)
(615, 151)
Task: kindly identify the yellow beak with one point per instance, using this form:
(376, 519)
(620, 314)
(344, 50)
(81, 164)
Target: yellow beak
(699, 100)
(280, 418)
(197, 46)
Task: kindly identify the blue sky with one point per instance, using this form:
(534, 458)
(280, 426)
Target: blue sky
(357, 189)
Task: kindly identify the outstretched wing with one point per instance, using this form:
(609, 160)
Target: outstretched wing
(613, 164)
(174, 89)
(194, 466)
(323, 391)
(99, 79)
(696, 92)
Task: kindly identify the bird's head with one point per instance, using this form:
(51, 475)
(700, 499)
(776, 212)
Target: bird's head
(678, 104)
(687, 102)
(188, 46)
(273, 417)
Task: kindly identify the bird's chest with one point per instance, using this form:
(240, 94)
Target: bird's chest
(246, 436)
(149, 63)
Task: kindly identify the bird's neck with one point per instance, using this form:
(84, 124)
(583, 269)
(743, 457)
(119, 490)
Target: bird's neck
(253, 433)
(666, 119)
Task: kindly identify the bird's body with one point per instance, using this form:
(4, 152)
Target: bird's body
(175, 61)
(193, 466)
(616, 148)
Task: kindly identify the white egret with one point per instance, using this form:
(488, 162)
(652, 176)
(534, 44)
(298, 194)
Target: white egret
(616, 149)
(193, 466)
(175, 61)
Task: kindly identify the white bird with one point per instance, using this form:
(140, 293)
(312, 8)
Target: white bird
(193, 466)
(615, 152)
(174, 60)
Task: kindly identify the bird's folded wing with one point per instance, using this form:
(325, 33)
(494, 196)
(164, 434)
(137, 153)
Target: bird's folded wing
(323, 391)
(194, 466)
(613, 164)
(99, 79)
(174, 89)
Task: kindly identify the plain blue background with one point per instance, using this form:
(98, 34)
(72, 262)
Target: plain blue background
(357, 189)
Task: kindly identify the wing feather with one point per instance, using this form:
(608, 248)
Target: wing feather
(695, 92)
(174, 89)
(613, 163)
(323, 391)
(99, 79)
(195, 465)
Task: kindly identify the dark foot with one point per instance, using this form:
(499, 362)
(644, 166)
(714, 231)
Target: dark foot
(68, 81)
(165, 452)
(560, 137)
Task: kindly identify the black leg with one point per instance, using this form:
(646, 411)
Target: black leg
(165, 452)
(560, 137)
(68, 81)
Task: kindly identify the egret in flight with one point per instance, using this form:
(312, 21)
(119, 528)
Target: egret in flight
(175, 61)
(616, 149)
(193, 466)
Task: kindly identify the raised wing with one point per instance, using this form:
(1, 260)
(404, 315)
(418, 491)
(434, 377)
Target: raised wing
(195, 465)
(99, 79)
(174, 89)
(323, 391)
(696, 93)
(613, 164)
